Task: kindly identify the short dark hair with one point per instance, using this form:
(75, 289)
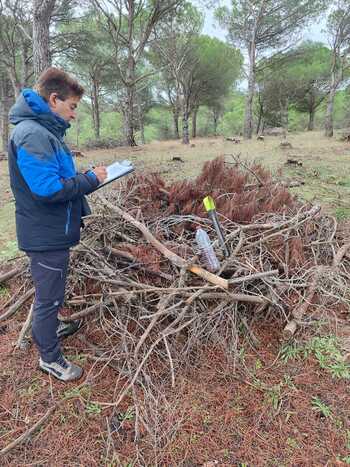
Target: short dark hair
(54, 80)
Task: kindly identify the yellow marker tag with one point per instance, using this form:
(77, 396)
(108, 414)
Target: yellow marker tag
(209, 203)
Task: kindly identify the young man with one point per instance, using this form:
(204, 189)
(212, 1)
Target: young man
(50, 202)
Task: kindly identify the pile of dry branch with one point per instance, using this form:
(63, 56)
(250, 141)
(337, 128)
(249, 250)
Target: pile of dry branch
(137, 277)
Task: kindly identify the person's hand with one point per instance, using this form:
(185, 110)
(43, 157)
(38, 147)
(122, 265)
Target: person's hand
(101, 173)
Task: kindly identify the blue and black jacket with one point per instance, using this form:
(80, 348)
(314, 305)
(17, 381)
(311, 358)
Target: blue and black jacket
(49, 194)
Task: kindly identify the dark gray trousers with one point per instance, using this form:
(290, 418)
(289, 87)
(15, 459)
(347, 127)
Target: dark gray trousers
(49, 272)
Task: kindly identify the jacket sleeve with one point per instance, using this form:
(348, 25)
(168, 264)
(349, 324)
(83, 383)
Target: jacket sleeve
(39, 166)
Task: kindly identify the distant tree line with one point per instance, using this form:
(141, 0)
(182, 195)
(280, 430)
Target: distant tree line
(135, 55)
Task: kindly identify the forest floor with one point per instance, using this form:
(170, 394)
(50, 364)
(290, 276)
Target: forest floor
(275, 404)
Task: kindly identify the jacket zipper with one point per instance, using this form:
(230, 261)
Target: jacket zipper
(69, 210)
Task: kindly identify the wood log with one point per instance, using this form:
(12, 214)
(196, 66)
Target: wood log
(10, 274)
(233, 140)
(177, 159)
(20, 344)
(16, 306)
(294, 162)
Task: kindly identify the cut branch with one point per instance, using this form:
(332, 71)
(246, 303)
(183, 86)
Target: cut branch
(6, 276)
(170, 255)
(16, 306)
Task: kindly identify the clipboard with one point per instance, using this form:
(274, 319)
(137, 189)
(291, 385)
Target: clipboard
(117, 170)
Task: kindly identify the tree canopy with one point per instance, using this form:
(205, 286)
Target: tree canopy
(139, 57)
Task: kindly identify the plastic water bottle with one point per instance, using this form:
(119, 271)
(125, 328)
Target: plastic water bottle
(207, 250)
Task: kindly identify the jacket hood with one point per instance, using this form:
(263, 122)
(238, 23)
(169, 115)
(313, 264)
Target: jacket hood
(31, 106)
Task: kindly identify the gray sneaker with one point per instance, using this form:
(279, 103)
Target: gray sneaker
(67, 328)
(61, 369)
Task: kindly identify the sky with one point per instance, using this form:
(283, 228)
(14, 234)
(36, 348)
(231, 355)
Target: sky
(313, 32)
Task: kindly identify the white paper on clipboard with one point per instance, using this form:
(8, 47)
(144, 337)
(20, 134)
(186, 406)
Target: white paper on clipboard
(117, 170)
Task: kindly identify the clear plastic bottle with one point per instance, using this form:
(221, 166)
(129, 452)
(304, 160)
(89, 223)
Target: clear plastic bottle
(207, 250)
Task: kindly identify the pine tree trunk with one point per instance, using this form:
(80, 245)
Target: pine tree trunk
(311, 124)
(95, 105)
(259, 122)
(175, 108)
(248, 118)
(4, 123)
(260, 119)
(215, 122)
(185, 108)
(329, 114)
(129, 101)
(130, 78)
(194, 123)
(25, 63)
(185, 127)
(176, 123)
(16, 85)
(5, 105)
(141, 123)
(129, 117)
(142, 132)
(42, 11)
(328, 124)
(284, 117)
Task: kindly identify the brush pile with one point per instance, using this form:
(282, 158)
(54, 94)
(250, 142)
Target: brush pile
(137, 278)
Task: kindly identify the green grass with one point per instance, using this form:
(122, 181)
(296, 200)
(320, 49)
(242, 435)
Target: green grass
(4, 292)
(8, 243)
(327, 352)
(32, 389)
(342, 213)
(320, 407)
(93, 409)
